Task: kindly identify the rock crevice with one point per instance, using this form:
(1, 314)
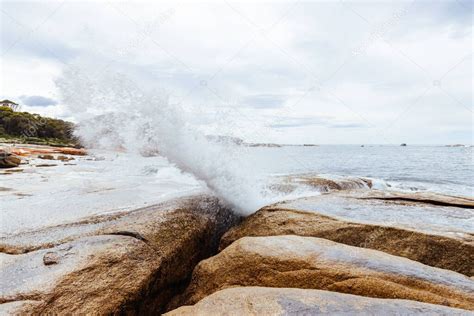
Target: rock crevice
(314, 263)
(133, 263)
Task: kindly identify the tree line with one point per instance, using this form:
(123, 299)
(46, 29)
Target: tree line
(27, 126)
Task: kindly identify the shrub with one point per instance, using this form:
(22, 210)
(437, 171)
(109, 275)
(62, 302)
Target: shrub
(27, 125)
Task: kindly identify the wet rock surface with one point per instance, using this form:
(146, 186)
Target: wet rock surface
(324, 184)
(46, 157)
(288, 301)
(404, 248)
(424, 212)
(123, 263)
(8, 160)
(314, 263)
(27, 150)
(447, 252)
(320, 183)
(13, 155)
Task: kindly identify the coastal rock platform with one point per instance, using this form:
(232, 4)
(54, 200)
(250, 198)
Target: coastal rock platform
(433, 229)
(132, 262)
(315, 263)
(352, 249)
(289, 301)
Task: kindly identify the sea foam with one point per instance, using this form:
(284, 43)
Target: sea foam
(114, 112)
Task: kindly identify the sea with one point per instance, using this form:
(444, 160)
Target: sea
(441, 169)
(110, 181)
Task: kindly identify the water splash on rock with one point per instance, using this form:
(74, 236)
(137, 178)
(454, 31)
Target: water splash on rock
(114, 112)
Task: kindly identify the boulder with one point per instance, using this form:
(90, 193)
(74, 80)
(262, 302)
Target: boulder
(447, 252)
(130, 263)
(315, 263)
(286, 301)
(324, 184)
(8, 160)
(430, 228)
(64, 158)
(288, 184)
(46, 157)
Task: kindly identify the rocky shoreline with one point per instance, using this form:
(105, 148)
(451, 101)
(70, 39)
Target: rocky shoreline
(129, 263)
(13, 156)
(282, 246)
(292, 301)
(352, 250)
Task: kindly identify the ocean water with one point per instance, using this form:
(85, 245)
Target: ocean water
(108, 181)
(121, 114)
(441, 169)
(145, 150)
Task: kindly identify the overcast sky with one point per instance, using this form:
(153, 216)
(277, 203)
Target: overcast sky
(287, 72)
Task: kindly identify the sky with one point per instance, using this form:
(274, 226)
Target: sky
(324, 72)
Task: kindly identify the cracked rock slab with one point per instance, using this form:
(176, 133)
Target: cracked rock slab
(428, 213)
(129, 263)
(447, 252)
(315, 263)
(241, 301)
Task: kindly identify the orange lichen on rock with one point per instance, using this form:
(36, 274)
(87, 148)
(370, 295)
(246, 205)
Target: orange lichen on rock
(27, 151)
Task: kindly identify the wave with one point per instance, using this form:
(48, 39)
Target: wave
(114, 112)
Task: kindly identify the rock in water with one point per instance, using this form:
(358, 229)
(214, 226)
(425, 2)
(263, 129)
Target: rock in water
(314, 263)
(7, 160)
(46, 157)
(64, 158)
(336, 184)
(291, 183)
(285, 301)
(127, 263)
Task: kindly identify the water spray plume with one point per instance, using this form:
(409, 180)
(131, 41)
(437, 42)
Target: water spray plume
(113, 112)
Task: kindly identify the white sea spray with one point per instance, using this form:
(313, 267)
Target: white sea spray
(113, 112)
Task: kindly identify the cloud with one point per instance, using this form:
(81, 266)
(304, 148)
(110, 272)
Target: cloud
(348, 125)
(264, 101)
(289, 122)
(37, 100)
(320, 121)
(264, 61)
